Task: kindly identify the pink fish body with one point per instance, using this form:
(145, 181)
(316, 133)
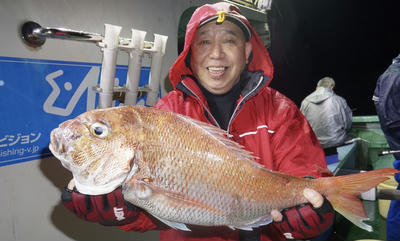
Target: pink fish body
(183, 171)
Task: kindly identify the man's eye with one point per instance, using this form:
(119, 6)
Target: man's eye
(230, 41)
(204, 42)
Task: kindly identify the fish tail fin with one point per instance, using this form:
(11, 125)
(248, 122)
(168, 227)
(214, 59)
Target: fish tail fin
(343, 193)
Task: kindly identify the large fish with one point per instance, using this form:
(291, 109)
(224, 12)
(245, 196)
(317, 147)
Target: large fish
(183, 171)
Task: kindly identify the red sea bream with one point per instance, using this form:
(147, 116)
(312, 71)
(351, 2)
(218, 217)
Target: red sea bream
(183, 171)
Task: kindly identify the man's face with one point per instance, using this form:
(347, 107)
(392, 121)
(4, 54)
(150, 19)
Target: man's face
(219, 55)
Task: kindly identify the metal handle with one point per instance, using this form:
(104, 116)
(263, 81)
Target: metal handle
(63, 33)
(35, 35)
(388, 194)
(388, 152)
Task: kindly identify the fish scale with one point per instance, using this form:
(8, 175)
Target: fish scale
(183, 171)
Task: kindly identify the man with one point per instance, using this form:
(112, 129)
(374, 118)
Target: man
(328, 114)
(221, 78)
(387, 102)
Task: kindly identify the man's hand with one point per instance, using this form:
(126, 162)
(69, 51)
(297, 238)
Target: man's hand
(307, 220)
(109, 209)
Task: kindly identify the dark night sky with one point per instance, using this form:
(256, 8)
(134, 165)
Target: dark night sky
(352, 41)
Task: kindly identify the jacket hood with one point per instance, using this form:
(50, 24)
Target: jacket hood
(260, 59)
(320, 95)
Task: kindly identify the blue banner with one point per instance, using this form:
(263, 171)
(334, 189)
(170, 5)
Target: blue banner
(37, 95)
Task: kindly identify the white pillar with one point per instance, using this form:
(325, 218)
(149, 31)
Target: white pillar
(134, 66)
(110, 53)
(160, 42)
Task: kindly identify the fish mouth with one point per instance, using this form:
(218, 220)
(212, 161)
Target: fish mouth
(61, 137)
(56, 145)
(60, 148)
(57, 148)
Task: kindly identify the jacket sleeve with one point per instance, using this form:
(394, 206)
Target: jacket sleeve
(296, 149)
(142, 224)
(347, 114)
(303, 107)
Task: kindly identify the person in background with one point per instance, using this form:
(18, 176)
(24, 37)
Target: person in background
(387, 103)
(328, 114)
(221, 77)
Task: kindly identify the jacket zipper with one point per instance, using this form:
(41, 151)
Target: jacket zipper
(242, 100)
(204, 107)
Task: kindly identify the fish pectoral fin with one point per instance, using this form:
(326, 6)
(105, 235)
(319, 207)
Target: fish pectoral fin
(254, 224)
(175, 225)
(142, 190)
(175, 199)
(242, 228)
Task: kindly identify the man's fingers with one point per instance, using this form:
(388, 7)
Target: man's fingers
(314, 197)
(276, 215)
(71, 184)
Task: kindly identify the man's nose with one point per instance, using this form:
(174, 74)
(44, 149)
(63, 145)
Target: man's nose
(216, 51)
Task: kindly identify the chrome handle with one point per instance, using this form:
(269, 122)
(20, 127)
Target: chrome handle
(63, 33)
(388, 152)
(35, 35)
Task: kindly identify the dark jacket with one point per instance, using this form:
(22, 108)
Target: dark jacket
(387, 102)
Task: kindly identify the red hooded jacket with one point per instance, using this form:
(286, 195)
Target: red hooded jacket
(265, 122)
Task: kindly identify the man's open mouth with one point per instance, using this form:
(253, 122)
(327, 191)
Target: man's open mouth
(216, 72)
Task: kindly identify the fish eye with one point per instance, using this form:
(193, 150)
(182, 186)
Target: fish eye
(99, 130)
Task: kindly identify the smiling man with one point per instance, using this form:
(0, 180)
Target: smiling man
(221, 77)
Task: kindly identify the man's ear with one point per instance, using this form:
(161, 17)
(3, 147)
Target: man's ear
(247, 49)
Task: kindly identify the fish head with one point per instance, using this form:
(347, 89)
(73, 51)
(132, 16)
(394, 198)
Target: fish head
(98, 147)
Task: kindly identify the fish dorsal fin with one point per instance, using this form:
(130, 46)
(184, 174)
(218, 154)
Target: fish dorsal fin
(221, 136)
